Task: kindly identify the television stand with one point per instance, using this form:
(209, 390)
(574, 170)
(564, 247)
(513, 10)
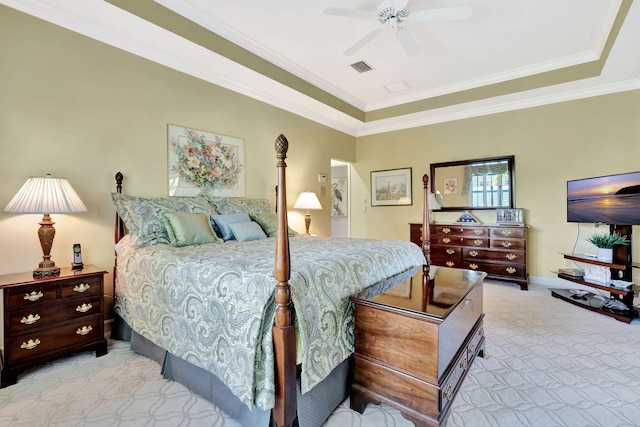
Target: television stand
(620, 267)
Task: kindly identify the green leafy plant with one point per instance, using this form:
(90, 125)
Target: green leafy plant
(608, 240)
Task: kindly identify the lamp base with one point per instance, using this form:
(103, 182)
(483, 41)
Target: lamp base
(45, 269)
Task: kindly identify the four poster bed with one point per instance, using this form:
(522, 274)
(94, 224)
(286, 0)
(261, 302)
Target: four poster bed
(265, 346)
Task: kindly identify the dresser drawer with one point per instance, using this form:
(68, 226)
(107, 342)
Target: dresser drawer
(510, 270)
(27, 296)
(82, 287)
(508, 233)
(29, 319)
(515, 245)
(50, 339)
(446, 252)
(463, 241)
(516, 257)
(452, 230)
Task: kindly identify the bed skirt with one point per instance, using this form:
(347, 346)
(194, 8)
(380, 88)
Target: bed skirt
(313, 408)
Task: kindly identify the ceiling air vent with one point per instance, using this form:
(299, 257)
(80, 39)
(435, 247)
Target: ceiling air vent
(361, 67)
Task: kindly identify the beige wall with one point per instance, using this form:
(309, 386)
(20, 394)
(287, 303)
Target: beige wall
(551, 144)
(76, 108)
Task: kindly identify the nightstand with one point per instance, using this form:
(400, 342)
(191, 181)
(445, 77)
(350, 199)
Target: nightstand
(48, 317)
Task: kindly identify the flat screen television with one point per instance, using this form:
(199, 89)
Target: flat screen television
(613, 199)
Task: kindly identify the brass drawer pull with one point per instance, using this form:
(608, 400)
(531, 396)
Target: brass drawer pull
(446, 230)
(511, 257)
(511, 270)
(473, 253)
(464, 364)
(446, 240)
(448, 392)
(478, 232)
(82, 287)
(84, 308)
(473, 266)
(478, 242)
(468, 303)
(33, 296)
(31, 344)
(450, 251)
(506, 244)
(84, 330)
(506, 232)
(450, 263)
(30, 319)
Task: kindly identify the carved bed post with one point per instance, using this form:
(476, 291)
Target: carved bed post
(426, 244)
(284, 412)
(119, 232)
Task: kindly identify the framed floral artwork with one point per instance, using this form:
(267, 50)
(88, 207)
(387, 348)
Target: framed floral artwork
(204, 161)
(391, 187)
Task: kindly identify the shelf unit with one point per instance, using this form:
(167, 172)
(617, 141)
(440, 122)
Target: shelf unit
(621, 269)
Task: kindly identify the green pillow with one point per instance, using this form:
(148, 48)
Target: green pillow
(269, 223)
(186, 229)
(246, 231)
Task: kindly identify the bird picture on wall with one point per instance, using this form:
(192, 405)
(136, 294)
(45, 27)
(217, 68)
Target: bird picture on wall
(339, 197)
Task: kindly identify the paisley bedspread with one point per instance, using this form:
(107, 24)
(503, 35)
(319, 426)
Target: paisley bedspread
(213, 304)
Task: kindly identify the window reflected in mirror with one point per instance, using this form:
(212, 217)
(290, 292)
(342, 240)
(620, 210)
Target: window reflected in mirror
(474, 184)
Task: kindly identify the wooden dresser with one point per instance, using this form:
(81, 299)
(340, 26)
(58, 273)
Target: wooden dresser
(498, 250)
(413, 353)
(47, 317)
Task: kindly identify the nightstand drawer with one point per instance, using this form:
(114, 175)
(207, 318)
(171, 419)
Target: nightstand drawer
(58, 337)
(31, 295)
(23, 321)
(82, 287)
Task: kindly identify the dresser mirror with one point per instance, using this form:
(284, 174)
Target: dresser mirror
(474, 184)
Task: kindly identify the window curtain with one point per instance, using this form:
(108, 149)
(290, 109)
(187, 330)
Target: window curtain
(497, 168)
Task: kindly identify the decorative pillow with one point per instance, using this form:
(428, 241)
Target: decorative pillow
(232, 205)
(187, 229)
(144, 216)
(269, 223)
(223, 221)
(246, 231)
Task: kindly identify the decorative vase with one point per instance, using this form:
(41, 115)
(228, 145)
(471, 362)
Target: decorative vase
(605, 254)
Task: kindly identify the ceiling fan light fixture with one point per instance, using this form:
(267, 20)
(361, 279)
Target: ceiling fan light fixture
(361, 67)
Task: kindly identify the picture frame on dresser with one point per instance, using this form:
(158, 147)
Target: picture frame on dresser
(391, 187)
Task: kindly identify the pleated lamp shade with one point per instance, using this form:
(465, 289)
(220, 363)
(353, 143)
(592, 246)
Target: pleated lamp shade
(46, 195)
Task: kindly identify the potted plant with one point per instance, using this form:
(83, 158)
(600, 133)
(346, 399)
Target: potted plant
(605, 243)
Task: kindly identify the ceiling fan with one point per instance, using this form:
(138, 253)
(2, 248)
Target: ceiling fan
(391, 13)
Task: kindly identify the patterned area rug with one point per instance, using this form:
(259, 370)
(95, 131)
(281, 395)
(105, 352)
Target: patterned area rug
(547, 363)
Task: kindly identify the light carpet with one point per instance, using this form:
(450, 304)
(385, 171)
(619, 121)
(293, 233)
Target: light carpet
(548, 363)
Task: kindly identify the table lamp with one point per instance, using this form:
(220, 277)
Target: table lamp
(46, 195)
(433, 206)
(307, 200)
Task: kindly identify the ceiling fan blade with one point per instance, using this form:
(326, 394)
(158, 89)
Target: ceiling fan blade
(444, 14)
(363, 41)
(353, 13)
(407, 42)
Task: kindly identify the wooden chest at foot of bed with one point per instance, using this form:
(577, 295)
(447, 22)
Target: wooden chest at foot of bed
(414, 353)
